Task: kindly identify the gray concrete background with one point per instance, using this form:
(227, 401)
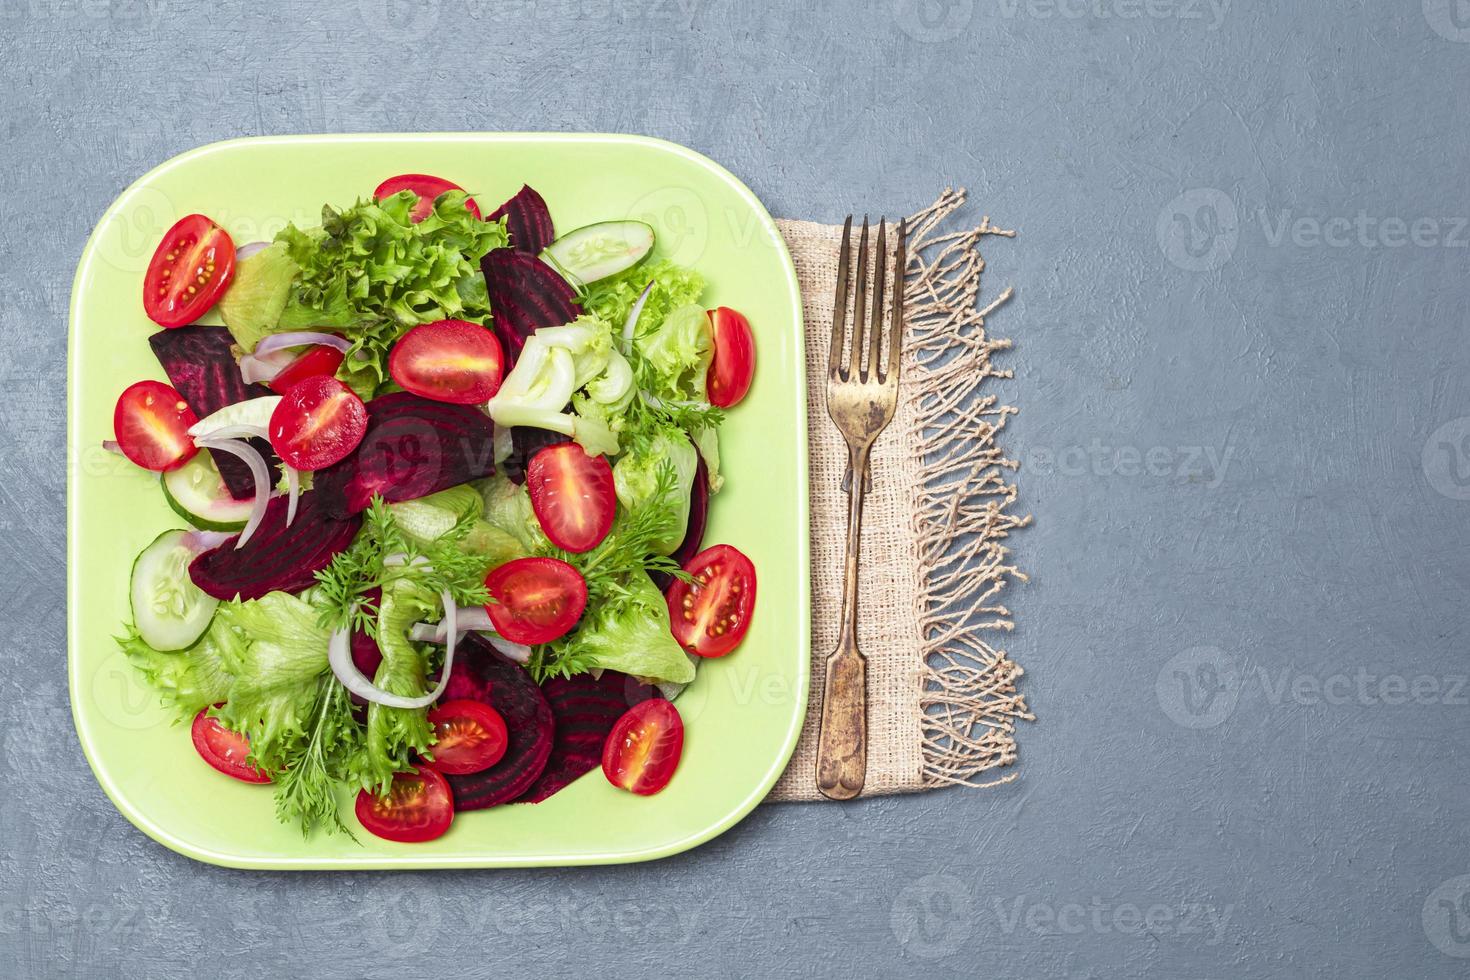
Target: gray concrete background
(1245, 430)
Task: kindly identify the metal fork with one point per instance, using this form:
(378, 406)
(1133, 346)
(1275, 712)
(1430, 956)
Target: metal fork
(862, 393)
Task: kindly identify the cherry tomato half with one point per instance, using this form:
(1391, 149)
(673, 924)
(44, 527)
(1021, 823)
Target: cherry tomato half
(471, 737)
(317, 423)
(320, 359)
(189, 272)
(151, 422)
(535, 600)
(227, 751)
(733, 367)
(418, 807)
(642, 750)
(573, 496)
(427, 188)
(709, 616)
(448, 361)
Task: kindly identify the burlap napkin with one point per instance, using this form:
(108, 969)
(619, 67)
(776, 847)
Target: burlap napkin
(942, 700)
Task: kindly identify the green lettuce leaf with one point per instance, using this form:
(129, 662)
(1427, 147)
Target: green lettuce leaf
(394, 735)
(370, 265)
(613, 298)
(186, 680)
(257, 296)
(677, 355)
(427, 519)
(508, 509)
(279, 655)
(636, 478)
(630, 633)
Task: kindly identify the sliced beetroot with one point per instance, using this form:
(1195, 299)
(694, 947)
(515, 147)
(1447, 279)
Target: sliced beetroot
(277, 557)
(484, 674)
(585, 710)
(526, 441)
(527, 221)
(413, 447)
(698, 517)
(525, 293)
(201, 366)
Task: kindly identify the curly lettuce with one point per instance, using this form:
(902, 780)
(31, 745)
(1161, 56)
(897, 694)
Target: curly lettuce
(613, 298)
(637, 478)
(368, 272)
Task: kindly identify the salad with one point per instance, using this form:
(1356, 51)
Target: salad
(442, 482)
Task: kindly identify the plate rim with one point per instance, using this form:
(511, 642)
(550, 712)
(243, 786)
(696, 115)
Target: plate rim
(408, 862)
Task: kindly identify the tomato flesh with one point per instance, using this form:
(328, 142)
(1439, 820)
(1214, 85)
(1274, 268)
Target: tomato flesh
(318, 360)
(709, 615)
(733, 367)
(427, 187)
(417, 807)
(471, 737)
(643, 749)
(535, 600)
(317, 423)
(448, 361)
(573, 495)
(151, 422)
(227, 751)
(189, 272)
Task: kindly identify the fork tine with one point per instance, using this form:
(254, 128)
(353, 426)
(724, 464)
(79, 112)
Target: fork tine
(839, 302)
(900, 271)
(875, 344)
(859, 306)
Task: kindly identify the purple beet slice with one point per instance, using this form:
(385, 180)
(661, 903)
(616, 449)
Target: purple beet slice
(527, 221)
(202, 368)
(484, 674)
(525, 293)
(412, 447)
(698, 517)
(277, 558)
(585, 710)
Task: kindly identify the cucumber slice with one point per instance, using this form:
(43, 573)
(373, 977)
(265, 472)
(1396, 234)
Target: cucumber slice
(252, 411)
(592, 252)
(198, 495)
(169, 610)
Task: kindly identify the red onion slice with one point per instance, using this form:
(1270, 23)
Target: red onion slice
(634, 314)
(293, 484)
(301, 338)
(258, 368)
(258, 470)
(249, 249)
(339, 655)
(234, 432)
(111, 446)
(475, 619)
(202, 541)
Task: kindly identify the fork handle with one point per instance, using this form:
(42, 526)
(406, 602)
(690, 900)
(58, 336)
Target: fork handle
(842, 745)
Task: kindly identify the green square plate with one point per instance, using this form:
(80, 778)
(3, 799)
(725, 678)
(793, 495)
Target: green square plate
(742, 715)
